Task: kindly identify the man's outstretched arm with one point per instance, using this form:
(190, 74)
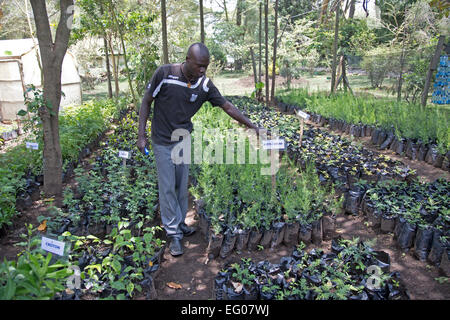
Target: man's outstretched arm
(144, 111)
(237, 115)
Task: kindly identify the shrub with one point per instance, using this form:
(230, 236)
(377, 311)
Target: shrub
(378, 62)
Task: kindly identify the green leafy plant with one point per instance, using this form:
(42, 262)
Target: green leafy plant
(33, 275)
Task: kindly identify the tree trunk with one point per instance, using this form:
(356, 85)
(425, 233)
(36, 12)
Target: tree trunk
(323, 11)
(34, 42)
(115, 68)
(119, 30)
(52, 54)
(164, 32)
(259, 91)
(335, 43)
(346, 7)
(255, 77)
(266, 26)
(339, 76)
(260, 40)
(238, 64)
(239, 6)
(351, 14)
(108, 69)
(274, 58)
(225, 10)
(202, 23)
(433, 66)
(400, 77)
(344, 76)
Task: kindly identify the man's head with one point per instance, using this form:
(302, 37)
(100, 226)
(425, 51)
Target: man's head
(197, 60)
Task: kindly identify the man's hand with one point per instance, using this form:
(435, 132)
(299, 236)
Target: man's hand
(141, 144)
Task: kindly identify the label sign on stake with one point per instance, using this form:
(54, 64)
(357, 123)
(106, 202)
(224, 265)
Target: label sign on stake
(275, 144)
(32, 145)
(53, 246)
(124, 154)
(303, 115)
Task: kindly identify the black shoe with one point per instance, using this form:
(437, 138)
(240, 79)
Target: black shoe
(176, 248)
(187, 231)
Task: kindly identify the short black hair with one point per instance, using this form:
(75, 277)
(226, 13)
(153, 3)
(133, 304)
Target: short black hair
(202, 49)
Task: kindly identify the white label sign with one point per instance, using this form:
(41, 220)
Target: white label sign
(53, 246)
(303, 115)
(124, 154)
(32, 145)
(273, 144)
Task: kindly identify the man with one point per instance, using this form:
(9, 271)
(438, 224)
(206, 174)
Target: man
(179, 90)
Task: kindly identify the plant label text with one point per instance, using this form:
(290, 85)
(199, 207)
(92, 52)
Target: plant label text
(32, 145)
(53, 246)
(124, 154)
(276, 144)
(303, 115)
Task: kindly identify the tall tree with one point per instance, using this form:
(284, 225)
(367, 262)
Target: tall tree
(105, 47)
(323, 10)
(121, 36)
(202, 23)
(274, 58)
(164, 32)
(223, 5)
(266, 27)
(240, 5)
(52, 55)
(297, 7)
(351, 13)
(239, 9)
(335, 44)
(260, 49)
(95, 20)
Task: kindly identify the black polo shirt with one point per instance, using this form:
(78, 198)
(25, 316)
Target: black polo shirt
(176, 101)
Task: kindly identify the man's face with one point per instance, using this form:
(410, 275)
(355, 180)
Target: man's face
(197, 65)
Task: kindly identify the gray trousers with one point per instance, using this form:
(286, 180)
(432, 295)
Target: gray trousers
(173, 190)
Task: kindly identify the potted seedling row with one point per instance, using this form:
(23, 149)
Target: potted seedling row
(339, 162)
(81, 129)
(249, 214)
(119, 266)
(112, 209)
(416, 214)
(341, 274)
(329, 150)
(389, 125)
